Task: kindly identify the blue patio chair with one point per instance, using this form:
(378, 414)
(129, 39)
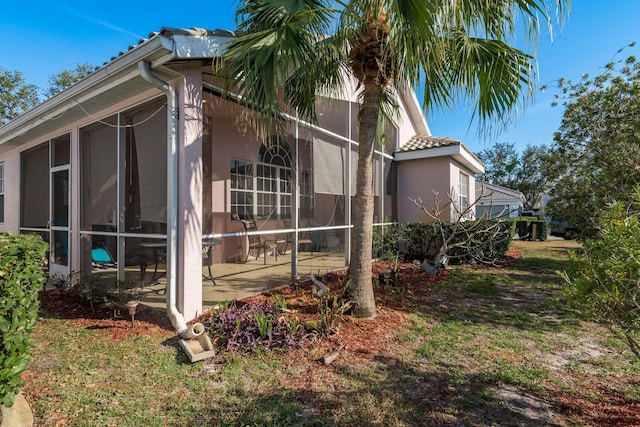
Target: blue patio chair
(101, 259)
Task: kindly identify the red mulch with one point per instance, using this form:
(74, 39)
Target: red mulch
(147, 321)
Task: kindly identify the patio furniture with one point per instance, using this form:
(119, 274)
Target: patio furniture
(159, 248)
(303, 237)
(101, 258)
(207, 248)
(258, 242)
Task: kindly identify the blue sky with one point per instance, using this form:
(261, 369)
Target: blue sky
(41, 38)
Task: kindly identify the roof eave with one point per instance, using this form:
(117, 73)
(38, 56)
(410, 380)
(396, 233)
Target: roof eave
(158, 50)
(412, 105)
(459, 152)
(85, 88)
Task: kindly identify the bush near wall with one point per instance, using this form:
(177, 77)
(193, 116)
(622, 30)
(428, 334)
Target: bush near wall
(525, 228)
(423, 240)
(21, 277)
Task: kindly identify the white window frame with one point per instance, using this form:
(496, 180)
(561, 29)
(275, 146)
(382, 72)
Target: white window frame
(242, 188)
(263, 191)
(1, 192)
(463, 190)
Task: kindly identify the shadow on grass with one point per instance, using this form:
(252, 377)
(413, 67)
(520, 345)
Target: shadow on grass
(525, 296)
(389, 393)
(543, 266)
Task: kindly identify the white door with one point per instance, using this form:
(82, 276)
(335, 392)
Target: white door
(59, 251)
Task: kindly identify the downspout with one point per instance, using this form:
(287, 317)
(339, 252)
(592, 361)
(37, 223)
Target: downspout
(177, 319)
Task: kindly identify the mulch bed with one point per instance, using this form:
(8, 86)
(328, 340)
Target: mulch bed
(357, 332)
(147, 321)
(360, 334)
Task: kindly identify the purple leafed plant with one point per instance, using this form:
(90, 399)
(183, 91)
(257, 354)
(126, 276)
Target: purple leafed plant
(253, 325)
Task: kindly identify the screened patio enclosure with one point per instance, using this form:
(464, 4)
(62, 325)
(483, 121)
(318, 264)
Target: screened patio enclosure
(146, 172)
(297, 187)
(300, 184)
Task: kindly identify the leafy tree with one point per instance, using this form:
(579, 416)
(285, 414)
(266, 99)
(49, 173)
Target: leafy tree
(533, 178)
(62, 80)
(603, 282)
(460, 50)
(525, 172)
(502, 163)
(16, 95)
(596, 151)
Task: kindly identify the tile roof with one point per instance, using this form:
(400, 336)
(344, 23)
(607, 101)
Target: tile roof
(424, 142)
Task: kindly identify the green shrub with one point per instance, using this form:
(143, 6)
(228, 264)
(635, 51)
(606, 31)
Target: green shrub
(21, 277)
(386, 244)
(475, 241)
(386, 241)
(524, 228)
(604, 281)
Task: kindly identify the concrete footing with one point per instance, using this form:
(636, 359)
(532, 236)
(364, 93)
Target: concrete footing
(19, 415)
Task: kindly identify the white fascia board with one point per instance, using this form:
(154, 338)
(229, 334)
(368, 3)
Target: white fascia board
(177, 46)
(412, 105)
(458, 152)
(89, 87)
(501, 192)
(474, 164)
(194, 47)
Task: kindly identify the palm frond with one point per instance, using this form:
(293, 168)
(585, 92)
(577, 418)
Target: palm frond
(276, 39)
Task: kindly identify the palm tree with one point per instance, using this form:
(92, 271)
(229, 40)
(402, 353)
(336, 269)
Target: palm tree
(288, 51)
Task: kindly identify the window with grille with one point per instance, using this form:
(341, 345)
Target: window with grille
(241, 189)
(262, 189)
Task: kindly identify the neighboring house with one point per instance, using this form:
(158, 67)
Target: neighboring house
(146, 155)
(496, 201)
(435, 170)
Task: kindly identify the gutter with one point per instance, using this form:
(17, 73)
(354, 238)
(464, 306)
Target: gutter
(177, 319)
(83, 90)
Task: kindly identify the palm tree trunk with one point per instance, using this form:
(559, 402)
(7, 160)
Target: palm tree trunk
(361, 289)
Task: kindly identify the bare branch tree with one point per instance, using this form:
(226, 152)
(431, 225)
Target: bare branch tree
(463, 237)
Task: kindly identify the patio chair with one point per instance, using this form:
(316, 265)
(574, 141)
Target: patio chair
(303, 238)
(101, 259)
(257, 242)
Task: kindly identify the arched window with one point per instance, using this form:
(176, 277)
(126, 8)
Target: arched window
(263, 190)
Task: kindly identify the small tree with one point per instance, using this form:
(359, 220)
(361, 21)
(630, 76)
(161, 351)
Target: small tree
(465, 237)
(604, 281)
(595, 154)
(456, 50)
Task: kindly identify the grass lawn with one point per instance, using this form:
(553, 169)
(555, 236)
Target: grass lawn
(478, 347)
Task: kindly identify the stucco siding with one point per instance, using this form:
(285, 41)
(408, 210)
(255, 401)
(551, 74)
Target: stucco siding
(419, 179)
(11, 192)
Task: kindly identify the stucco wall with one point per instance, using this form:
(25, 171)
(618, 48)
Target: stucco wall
(417, 178)
(11, 192)
(421, 178)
